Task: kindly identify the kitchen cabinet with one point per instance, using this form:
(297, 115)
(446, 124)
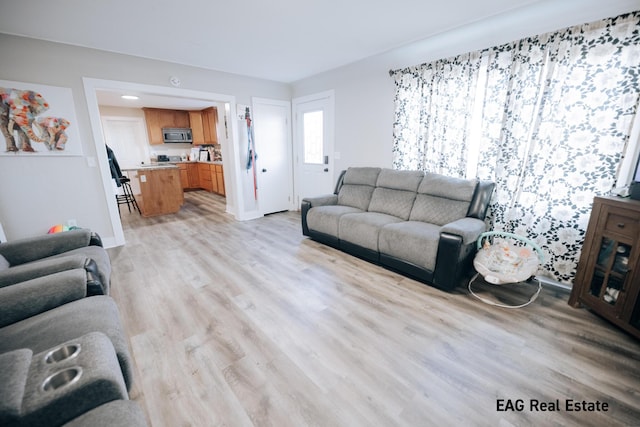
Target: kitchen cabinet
(197, 127)
(205, 176)
(219, 179)
(184, 176)
(160, 190)
(211, 177)
(189, 178)
(204, 126)
(210, 125)
(607, 280)
(158, 118)
(194, 177)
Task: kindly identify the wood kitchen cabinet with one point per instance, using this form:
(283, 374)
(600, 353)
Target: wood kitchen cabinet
(210, 125)
(204, 126)
(160, 191)
(194, 177)
(197, 127)
(205, 176)
(158, 118)
(219, 179)
(189, 177)
(607, 280)
(210, 177)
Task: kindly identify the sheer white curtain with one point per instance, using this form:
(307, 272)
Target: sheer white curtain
(548, 118)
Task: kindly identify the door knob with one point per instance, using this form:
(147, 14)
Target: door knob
(326, 169)
(264, 170)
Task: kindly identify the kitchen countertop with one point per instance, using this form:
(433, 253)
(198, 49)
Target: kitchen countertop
(217, 162)
(167, 165)
(151, 166)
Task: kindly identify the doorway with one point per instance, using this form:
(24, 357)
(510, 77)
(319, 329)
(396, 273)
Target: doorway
(314, 144)
(235, 204)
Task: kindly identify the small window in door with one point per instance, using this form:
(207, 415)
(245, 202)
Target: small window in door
(313, 138)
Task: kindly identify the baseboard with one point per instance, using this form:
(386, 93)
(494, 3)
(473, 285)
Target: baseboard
(247, 216)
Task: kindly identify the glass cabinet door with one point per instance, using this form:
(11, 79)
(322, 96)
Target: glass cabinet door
(607, 282)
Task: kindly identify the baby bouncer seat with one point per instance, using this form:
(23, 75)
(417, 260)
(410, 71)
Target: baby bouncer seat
(511, 259)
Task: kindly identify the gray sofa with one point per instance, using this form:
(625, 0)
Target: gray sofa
(423, 225)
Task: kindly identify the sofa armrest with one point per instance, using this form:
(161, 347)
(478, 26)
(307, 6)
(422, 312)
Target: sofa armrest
(329, 199)
(455, 251)
(38, 247)
(26, 299)
(469, 229)
(45, 267)
(310, 202)
(14, 371)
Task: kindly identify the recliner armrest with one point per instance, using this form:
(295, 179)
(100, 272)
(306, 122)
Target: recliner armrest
(14, 372)
(34, 248)
(45, 267)
(329, 199)
(469, 229)
(26, 299)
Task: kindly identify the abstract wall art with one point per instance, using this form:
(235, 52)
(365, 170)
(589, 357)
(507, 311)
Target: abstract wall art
(37, 120)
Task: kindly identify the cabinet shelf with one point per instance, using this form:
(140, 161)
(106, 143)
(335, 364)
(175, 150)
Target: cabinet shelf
(606, 280)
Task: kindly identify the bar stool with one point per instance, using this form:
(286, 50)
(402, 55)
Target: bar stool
(127, 197)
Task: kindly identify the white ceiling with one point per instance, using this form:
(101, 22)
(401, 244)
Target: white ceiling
(281, 40)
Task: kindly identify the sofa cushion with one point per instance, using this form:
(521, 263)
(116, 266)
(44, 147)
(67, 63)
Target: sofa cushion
(325, 219)
(412, 241)
(361, 176)
(395, 192)
(357, 187)
(392, 202)
(442, 199)
(362, 228)
(400, 180)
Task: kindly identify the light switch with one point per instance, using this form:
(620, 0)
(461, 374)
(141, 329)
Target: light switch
(143, 178)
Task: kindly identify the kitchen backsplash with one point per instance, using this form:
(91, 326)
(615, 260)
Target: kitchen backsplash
(215, 152)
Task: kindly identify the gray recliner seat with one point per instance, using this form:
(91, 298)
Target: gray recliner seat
(116, 413)
(72, 320)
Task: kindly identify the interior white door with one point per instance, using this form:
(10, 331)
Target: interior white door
(127, 138)
(313, 135)
(271, 119)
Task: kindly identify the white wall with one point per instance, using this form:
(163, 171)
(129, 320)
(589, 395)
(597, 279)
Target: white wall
(36, 193)
(364, 91)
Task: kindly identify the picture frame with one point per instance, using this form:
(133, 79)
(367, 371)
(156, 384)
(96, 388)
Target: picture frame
(37, 120)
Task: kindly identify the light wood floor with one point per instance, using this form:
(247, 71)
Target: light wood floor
(252, 324)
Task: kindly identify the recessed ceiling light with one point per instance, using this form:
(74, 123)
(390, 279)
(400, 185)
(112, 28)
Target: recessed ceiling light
(132, 97)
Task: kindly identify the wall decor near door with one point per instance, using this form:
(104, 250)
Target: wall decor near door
(37, 120)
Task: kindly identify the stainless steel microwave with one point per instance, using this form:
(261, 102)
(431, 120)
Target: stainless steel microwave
(173, 135)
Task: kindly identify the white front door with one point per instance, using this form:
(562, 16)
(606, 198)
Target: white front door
(313, 135)
(272, 133)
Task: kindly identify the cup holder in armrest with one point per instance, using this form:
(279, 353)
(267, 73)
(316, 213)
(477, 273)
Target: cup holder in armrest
(62, 378)
(62, 353)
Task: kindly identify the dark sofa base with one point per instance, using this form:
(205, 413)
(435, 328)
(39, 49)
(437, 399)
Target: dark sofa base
(449, 278)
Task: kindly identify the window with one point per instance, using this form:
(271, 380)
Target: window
(313, 139)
